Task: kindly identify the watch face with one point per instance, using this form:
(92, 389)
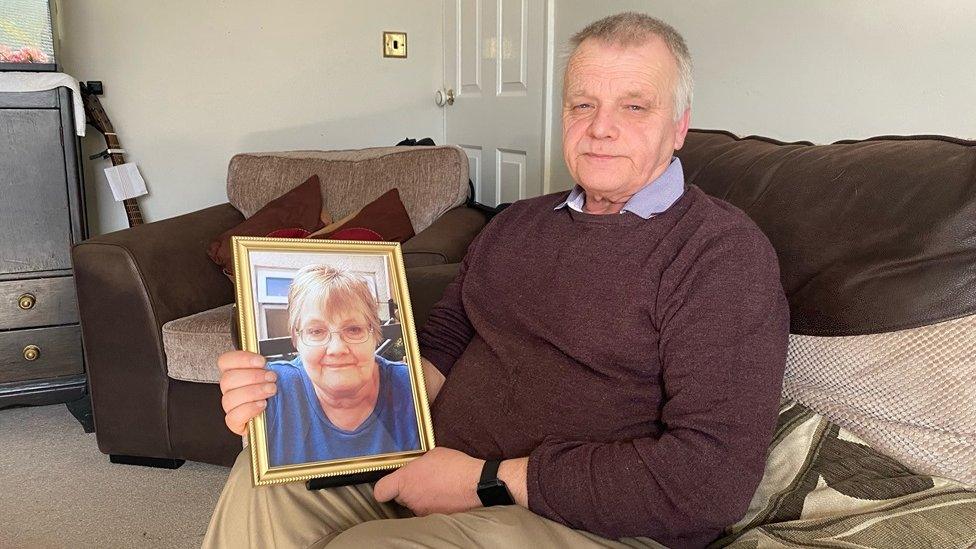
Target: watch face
(494, 492)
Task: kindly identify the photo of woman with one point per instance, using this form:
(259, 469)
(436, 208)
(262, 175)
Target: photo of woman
(334, 323)
(337, 398)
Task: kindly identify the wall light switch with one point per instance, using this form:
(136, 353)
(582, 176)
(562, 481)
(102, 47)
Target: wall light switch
(394, 44)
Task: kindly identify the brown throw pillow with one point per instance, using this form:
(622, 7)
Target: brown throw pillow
(299, 208)
(385, 216)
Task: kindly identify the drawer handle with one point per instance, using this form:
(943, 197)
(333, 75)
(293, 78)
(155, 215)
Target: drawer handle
(32, 352)
(26, 302)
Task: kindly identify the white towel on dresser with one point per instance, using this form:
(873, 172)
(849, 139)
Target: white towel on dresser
(40, 81)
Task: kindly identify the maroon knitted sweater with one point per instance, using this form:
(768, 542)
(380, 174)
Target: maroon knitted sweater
(637, 363)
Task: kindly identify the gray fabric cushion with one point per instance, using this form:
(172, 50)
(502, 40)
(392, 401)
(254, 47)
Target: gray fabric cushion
(193, 343)
(431, 180)
(824, 487)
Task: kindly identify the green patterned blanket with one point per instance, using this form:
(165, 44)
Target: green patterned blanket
(824, 487)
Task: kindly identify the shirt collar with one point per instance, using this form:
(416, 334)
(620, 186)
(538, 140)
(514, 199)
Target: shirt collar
(652, 199)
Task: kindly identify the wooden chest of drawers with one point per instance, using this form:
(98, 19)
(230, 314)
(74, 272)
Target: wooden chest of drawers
(42, 214)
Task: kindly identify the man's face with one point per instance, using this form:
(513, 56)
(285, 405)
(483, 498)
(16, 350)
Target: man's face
(619, 131)
(339, 369)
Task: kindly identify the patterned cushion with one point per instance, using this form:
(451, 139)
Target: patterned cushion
(824, 487)
(909, 393)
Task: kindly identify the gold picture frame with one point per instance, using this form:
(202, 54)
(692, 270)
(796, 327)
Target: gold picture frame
(263, 267)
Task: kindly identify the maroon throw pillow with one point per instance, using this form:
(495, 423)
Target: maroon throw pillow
(299, 208)
(356, 233)
(385, 216)
(292, 232)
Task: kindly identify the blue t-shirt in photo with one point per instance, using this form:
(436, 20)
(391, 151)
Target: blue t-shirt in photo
(299, 431)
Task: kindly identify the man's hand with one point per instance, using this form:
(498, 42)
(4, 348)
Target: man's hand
(246, 386)
(440, 481)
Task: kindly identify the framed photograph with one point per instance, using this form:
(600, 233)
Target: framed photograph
(333, 319)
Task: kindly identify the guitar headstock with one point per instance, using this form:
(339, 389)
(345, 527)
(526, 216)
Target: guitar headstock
(94, 111)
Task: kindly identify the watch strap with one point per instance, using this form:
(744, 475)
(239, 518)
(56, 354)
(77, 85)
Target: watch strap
(491, 489)
(490, 470)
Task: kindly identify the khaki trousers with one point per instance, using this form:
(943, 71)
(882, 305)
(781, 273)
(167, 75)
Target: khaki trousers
(288, 515)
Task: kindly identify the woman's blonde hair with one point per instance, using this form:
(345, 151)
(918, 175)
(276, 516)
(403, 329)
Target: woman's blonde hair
(332, 289)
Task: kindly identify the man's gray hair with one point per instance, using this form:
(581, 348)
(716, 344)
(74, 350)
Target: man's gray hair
(635, 29)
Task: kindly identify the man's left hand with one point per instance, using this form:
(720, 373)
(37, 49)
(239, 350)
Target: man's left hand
(441, 481)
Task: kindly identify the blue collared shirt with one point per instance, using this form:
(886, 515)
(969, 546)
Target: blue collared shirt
(653, 198)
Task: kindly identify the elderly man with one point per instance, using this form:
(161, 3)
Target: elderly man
(611, 358)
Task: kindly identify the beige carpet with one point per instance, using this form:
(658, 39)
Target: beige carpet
(57, 490)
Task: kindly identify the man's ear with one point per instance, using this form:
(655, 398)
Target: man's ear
(681, 129)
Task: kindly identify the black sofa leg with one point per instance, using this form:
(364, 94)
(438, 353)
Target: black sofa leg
(160, 463)
(82, 411)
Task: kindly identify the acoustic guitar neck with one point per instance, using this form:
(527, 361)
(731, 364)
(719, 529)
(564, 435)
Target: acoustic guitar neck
(99, 119)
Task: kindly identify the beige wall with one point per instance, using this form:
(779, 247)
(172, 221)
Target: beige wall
(189, 83)
(819, 71)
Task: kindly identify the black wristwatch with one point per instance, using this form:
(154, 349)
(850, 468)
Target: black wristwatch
(491, 490)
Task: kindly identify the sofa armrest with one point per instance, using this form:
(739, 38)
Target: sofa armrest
(130, 283)
(446, 240)
(426, 285)
(162, 265)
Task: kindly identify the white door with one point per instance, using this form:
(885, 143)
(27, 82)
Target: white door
(497, 59)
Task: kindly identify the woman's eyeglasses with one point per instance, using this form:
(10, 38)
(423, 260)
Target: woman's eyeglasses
(317, 337)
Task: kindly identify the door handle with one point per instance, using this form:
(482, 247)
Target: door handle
(444, 97)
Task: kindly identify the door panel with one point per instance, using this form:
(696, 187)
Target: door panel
(496, 61)
(513, 58)
(474, 164)
(467, 56)
(510, 168)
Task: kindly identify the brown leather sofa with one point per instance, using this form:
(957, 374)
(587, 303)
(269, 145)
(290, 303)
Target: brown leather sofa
(142, 290)
(877, 249)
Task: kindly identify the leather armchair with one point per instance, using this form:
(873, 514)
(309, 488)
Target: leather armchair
(132, 282)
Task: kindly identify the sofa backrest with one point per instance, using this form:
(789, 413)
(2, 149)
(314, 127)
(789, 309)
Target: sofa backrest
(872, 236)
(877, 249)
(431, 180)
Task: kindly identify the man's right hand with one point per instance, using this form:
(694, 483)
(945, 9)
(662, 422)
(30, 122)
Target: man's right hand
(246, 386)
